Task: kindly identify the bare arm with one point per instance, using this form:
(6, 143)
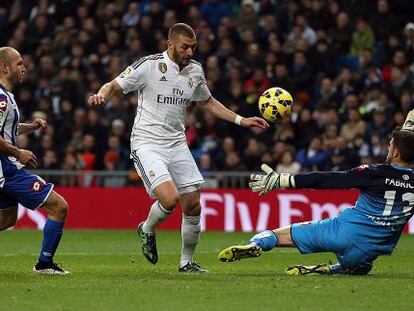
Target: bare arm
(220, 111)
(31, 127)
(105, 93)
(25, 157)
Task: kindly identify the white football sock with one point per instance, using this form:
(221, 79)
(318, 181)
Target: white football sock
(190, 234)
(156, 216)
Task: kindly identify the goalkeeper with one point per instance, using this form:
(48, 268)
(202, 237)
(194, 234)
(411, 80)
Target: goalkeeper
(358, 235)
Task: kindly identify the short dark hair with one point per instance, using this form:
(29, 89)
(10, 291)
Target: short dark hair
(403, 140)
(181, 29)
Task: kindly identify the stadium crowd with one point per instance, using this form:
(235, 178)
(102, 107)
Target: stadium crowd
(348, 64)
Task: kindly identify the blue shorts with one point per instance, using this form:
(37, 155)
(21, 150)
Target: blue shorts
(23, 187)
(329, 235)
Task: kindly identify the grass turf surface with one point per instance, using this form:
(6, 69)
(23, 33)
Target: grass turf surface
(109, 273)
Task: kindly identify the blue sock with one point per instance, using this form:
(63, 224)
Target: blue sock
(266, 240)
(52, 233)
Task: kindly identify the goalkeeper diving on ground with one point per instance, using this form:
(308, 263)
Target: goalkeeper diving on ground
(358, 235)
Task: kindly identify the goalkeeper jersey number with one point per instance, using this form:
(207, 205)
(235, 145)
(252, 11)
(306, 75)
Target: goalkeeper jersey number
(384, 206)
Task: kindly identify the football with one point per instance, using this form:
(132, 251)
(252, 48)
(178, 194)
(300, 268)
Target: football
(275, 104)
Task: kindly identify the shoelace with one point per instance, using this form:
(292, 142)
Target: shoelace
(55, 266)
(196, 265)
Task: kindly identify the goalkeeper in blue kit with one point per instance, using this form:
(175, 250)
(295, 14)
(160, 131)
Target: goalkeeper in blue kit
(358, 235)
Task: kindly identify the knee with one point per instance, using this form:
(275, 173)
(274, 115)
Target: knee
(192, 209)
(7, 223)
(170, 202)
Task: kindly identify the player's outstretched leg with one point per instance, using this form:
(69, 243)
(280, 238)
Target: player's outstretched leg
(149, 244)
(237, 252)
(353, 262)
(264, 241)
(304, 270)
(52, 234)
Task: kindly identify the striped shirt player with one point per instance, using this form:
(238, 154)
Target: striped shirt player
(166, 84)
(28, 189)
(17, 185)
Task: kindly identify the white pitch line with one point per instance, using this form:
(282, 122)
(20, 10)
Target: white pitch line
(215, 251)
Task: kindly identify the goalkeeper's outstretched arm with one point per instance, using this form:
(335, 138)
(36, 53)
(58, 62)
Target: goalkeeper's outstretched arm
(354, 178)
(330, 180)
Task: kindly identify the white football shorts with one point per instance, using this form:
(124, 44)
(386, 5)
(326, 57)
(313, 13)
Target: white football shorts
(156, 165)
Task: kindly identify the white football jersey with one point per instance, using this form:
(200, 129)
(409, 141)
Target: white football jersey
(163, 95)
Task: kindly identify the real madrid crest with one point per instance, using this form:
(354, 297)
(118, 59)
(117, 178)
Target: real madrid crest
(190, 82)
(162, 67)
(126, 73)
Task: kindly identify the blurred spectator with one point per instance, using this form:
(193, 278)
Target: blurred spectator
(131, 16)
(345, 84)
(192, 131)
(248, 18)
(94, 127)
(360, 146)
(353, 127)
(342, 157)
(378, 125)
(288, 164)
(312, 158)
(326, 95)
(213, 11)
(362, 38)
(322, 58)
(49, 161)
(252, 154)
(206, 165)
(278, 150)
(305, 129)
(228, 145)
(308, 34)
(341, 33)
(383, 21)
(281, 77)
(233, 163)
(301, 72)
(87, 161)
(119, 129)
(70, 164)
(378, 149)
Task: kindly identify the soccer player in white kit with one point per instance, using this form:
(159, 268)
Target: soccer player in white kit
(166, 84)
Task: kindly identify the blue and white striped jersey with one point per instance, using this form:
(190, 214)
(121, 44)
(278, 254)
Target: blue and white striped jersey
(9, 127)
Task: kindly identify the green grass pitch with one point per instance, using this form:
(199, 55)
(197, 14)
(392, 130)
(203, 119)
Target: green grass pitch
(109, 273)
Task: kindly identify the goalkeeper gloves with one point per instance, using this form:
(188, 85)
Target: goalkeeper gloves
(263, 183)
(409, 122)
